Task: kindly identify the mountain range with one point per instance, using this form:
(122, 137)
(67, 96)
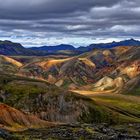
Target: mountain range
(11, 48)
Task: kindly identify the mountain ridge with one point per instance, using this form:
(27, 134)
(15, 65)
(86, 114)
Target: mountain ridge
(11, 48)
(129, 42)
(54, 48)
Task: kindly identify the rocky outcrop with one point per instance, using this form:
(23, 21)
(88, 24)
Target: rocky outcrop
(85, 131)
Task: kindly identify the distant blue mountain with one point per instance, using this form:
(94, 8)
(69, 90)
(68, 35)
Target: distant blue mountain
(52, 49)
(11, 48)
(130, 42)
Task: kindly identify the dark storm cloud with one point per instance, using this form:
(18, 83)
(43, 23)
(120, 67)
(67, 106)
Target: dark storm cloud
(71, 18)
(40, 9)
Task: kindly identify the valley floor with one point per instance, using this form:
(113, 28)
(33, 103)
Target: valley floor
(125, 106)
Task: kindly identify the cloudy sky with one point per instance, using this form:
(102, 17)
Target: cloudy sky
(77, 22)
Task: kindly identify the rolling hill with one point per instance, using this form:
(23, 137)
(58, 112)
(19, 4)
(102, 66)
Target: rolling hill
(119, 63)
(9, 65)
(15, 120)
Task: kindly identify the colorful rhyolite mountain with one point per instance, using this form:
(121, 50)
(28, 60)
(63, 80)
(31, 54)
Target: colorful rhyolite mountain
(98, 86)
(100, 69)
